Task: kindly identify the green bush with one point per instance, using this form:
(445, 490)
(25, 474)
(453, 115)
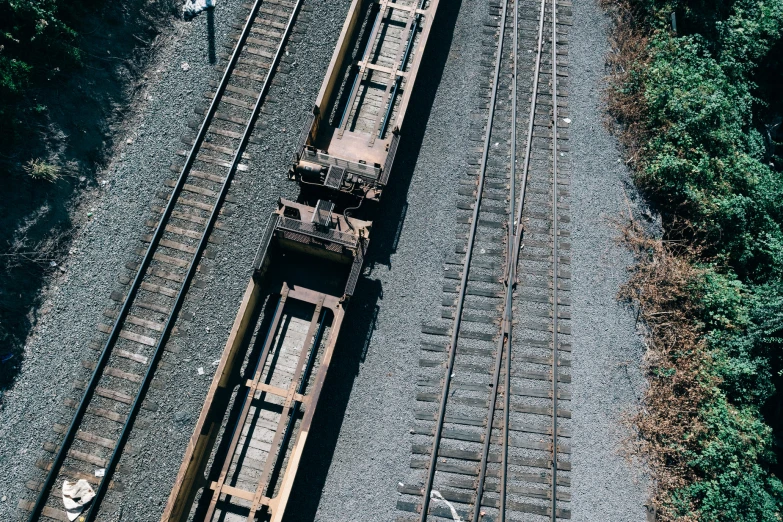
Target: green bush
(735, 484)
(35, 43)
(704, 162)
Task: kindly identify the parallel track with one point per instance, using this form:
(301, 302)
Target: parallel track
(114, 395)
(486, 456)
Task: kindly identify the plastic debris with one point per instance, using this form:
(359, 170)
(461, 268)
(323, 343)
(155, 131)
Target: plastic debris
(76, 497)
(194, 7)
(100, 472)
(185, 66)
(567, 120)
(200, 370)
(435, 495)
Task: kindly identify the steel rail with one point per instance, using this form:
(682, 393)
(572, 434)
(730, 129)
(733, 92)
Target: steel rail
(280, 302)
(259, 367)
(555, 262)
(261, 357)
(303, 380)
(514, 225)
(504, 341)
(465, 271)
(103, 359)
(516, 249)
(136, 406)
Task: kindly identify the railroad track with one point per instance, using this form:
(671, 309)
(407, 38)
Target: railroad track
(491, 433)
(138, 329)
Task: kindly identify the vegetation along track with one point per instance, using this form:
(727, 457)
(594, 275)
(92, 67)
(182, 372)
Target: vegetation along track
(90, 447)
(486, 433)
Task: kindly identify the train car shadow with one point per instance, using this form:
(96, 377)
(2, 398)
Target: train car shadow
(365, 304)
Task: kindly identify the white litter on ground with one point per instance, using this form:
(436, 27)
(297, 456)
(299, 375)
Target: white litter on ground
(435, 494)
(75, 497)
(194, 7)
(200, 370)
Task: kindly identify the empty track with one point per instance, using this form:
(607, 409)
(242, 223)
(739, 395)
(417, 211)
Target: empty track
(90, 447)
(483, 453)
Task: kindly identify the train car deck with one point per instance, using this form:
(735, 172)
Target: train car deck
(350, 139)
(277, 404)
(243, 457)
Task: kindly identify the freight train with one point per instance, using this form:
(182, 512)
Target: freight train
(246, 449)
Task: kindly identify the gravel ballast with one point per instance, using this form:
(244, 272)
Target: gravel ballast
(360, 444)
(363, 447)
(607, 351)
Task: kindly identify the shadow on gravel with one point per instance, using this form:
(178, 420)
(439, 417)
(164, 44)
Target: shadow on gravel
(211, 36)
(74, 114)
(363, 309)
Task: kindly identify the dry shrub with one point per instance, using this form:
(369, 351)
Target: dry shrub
(668, 425)
(628, 43)
(39, 170)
